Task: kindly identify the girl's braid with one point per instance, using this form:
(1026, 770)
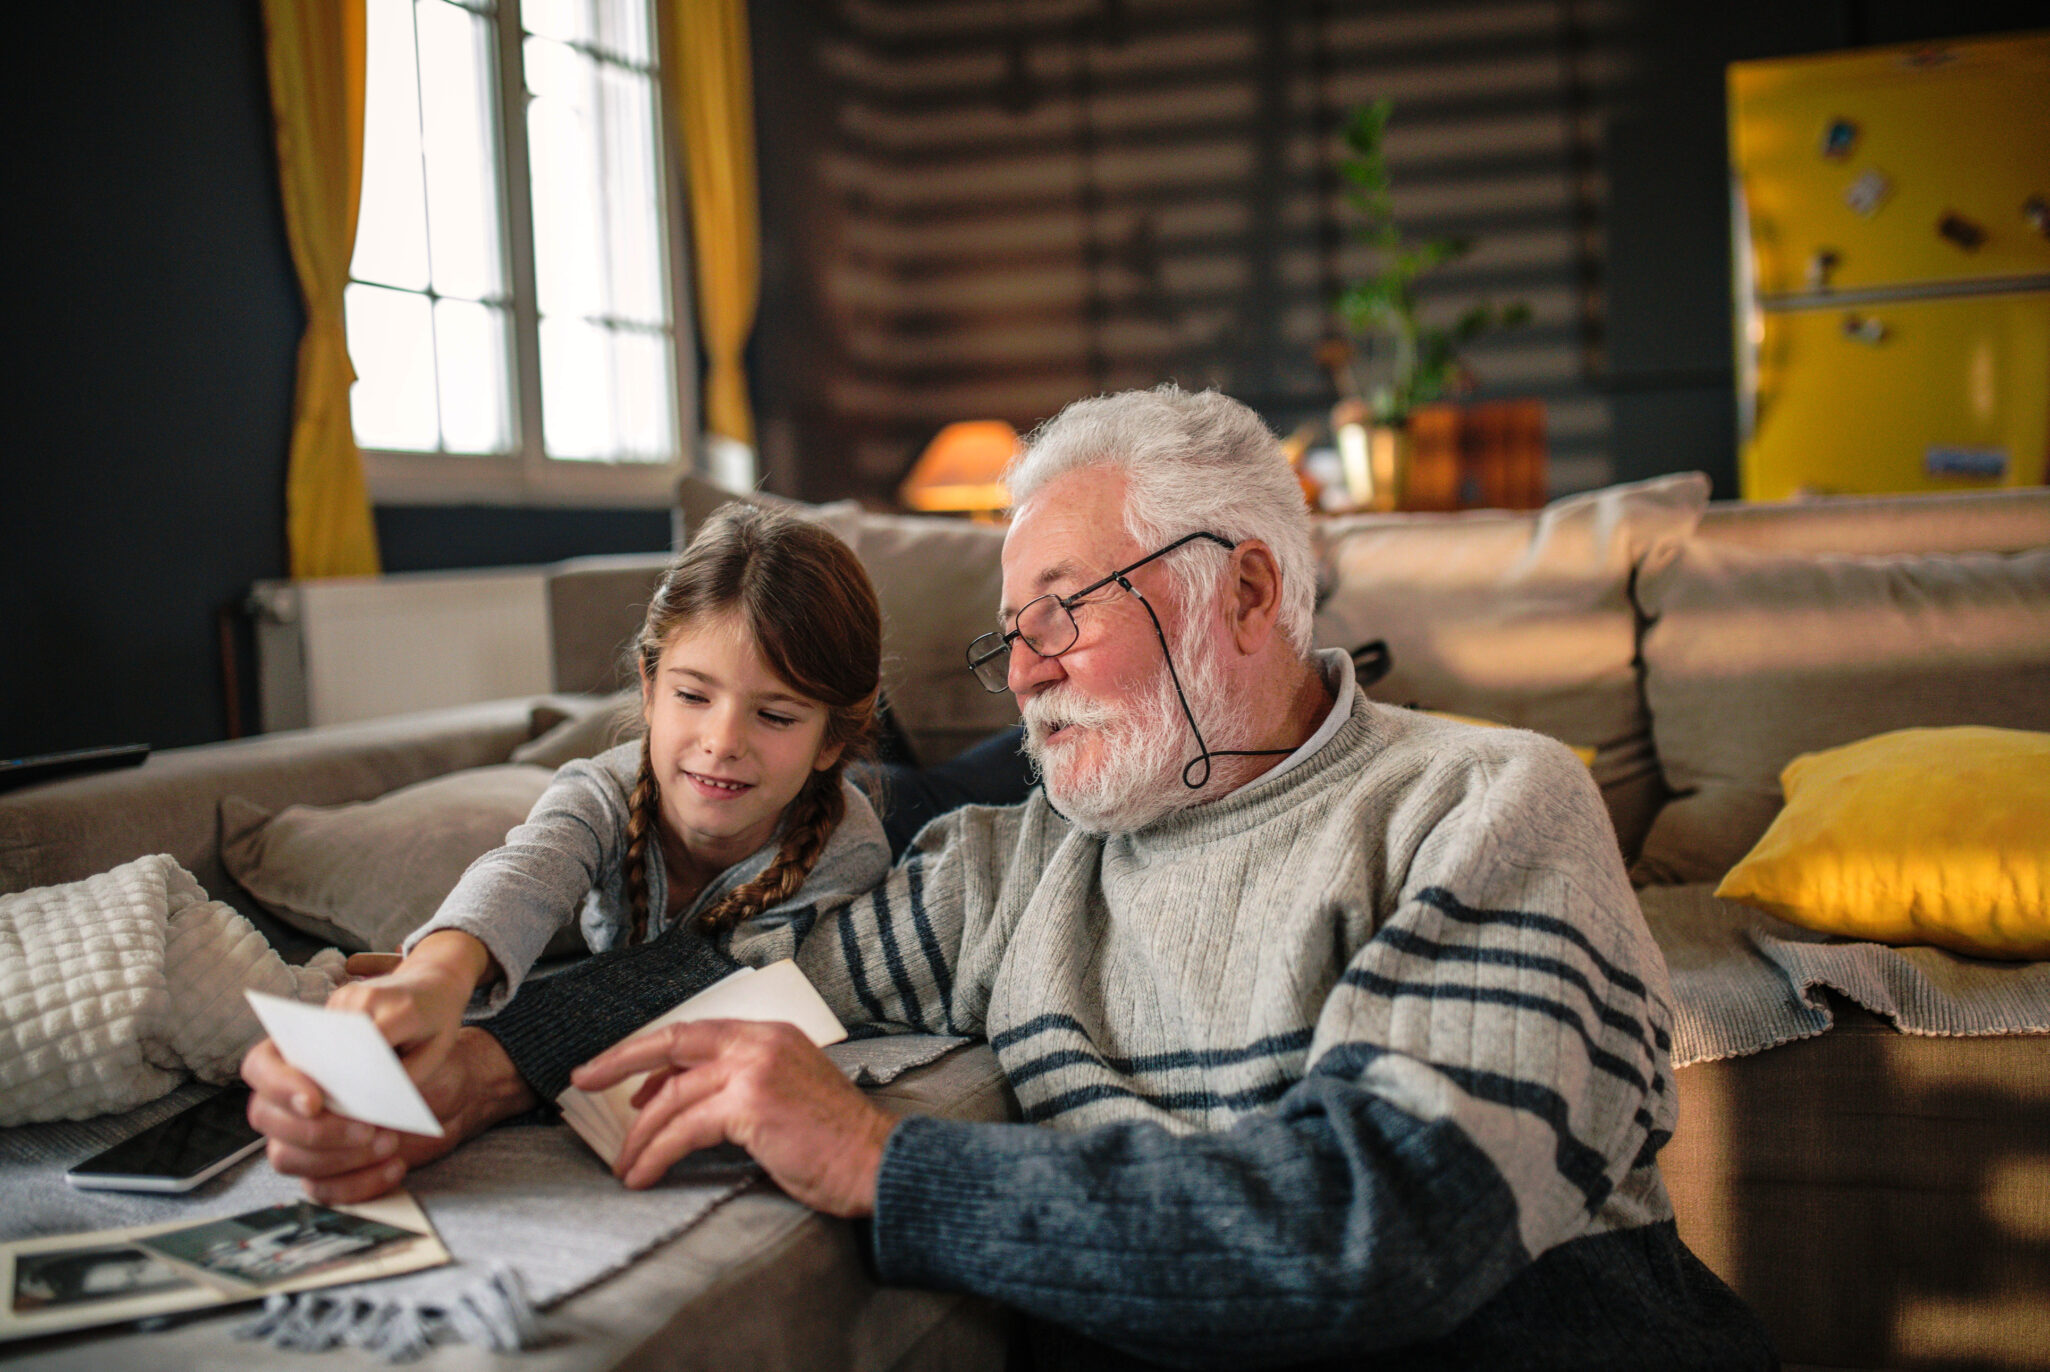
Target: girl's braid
(643, 817)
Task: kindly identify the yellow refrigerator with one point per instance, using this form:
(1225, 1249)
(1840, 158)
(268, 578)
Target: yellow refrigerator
(1891, 232)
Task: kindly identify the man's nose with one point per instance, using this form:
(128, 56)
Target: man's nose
(1029, 673)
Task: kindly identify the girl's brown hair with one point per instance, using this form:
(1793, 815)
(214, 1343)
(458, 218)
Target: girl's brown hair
(813, 615)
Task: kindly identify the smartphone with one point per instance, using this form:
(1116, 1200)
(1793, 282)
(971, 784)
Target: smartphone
(176, 1154)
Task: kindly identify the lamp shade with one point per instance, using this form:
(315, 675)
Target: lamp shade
(961, 470)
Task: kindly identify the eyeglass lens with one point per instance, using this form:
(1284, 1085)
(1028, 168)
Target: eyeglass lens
(1046, 625)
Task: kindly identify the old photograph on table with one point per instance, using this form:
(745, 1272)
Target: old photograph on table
(60, 1282)
(277, 1244)
(92, 1272)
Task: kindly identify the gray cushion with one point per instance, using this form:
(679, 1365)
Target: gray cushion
(365, 875)
(595, 607)
(1755, 657)
(939, 581)
(1521, 618)
(610, 720)
(2008, 521)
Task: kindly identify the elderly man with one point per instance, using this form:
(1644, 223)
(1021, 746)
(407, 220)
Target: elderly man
(1335, 1027)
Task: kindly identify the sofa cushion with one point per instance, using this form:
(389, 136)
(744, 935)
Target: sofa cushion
(1938, 836)
(939, 581)
(609, 721)
(365, 875)
(595, 608)
(1524, 618)
(2006, 521)
(1753, 657)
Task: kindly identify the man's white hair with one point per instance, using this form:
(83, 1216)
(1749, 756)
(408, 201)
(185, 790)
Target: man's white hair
(1195, 461)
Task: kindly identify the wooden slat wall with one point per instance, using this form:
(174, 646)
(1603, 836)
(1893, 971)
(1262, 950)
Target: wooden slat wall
(1013, 203)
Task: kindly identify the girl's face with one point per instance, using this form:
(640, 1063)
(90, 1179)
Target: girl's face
(730, 743)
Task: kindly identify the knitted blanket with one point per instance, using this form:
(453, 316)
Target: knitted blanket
(1744, 981)
(114, 987)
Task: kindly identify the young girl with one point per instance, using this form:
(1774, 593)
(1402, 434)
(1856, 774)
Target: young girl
(758, 666)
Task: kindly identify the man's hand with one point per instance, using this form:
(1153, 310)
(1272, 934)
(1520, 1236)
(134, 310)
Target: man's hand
(343, 1160)
(762, 1086)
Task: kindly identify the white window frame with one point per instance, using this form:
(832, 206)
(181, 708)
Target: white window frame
(527, 475)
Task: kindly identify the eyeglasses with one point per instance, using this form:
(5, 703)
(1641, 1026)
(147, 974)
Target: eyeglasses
(1047, 625)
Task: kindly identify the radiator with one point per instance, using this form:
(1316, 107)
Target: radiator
(351, 648)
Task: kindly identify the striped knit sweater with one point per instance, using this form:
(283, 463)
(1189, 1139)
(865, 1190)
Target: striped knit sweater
(1371, 1055)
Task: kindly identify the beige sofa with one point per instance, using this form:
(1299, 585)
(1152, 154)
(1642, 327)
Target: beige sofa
(1883, 1200)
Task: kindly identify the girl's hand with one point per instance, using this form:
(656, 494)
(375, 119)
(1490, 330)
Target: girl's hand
(418, 1006)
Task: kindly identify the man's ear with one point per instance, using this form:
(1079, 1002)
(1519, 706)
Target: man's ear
(1256, 595)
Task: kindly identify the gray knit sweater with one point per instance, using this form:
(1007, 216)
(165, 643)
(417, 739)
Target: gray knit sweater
(1371, 1055)
(568, 860)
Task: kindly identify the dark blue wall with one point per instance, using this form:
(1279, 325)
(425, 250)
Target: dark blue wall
(153, 317)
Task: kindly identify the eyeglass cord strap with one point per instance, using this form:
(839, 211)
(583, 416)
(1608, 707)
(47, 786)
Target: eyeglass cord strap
(1203, 750)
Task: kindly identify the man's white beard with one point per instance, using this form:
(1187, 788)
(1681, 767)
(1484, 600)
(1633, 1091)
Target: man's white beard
(1143, 748)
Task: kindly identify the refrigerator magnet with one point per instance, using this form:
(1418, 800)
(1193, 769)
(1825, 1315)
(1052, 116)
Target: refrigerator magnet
(1961, 231)
(1987, 464)
(1868, 193)
(1822, 265)
(2036, 210)
(1865, 329)
(1839, 139)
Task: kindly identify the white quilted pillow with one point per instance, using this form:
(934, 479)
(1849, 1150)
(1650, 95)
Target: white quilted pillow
(113, 987)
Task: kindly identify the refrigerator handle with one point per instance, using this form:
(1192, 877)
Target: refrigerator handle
(1750, 318)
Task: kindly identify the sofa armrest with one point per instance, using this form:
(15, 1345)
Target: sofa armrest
(71, 829)
(595, 607)
(1875, 1196)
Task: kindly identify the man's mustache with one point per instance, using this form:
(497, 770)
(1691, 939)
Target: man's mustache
(1066, 706)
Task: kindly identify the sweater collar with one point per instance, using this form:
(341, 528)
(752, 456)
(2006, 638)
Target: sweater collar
(1335, 666)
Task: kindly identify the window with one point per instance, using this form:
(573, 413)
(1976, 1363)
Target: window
(512, 300)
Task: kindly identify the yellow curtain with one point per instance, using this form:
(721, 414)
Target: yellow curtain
(317, 54)
(705, 68)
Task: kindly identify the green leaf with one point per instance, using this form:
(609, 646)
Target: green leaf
(1471, 324)
(1436, 252)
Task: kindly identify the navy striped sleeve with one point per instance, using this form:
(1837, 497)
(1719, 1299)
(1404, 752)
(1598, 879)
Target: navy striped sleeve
(1334, 1223)
(557, 1023)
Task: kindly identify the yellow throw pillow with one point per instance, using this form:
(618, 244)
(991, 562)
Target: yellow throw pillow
(1586, 755)
(1937, 836)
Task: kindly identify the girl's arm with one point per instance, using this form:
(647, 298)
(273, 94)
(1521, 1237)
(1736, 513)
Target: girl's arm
(513, 899)
(418, 1007)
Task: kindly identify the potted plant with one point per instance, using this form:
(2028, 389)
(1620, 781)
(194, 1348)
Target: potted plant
(1420, 362)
